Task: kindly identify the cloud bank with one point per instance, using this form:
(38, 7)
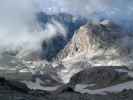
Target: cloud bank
(117, 10)
(19, 26)
(17, 19)
(88, 6)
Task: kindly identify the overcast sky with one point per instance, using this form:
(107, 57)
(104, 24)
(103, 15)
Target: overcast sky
(17, 17)
(111, 8)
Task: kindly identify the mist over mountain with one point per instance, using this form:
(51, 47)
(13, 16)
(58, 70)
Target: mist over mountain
(23, 21)
(119, 11)
(55, 44)
(66, 49)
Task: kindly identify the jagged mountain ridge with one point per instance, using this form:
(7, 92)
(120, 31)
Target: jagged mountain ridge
(98, 40)
(92, 36)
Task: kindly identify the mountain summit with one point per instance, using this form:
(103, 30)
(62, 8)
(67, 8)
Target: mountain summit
(92, 37)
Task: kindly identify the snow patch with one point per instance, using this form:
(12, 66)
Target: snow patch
(37, 85)
(82, 88)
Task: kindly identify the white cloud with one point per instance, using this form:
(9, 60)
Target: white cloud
(19, 27)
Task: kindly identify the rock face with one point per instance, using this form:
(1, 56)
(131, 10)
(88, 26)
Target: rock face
(13, 85)
(14, 90)
(95, 75)
(91, 37)
(100, 76)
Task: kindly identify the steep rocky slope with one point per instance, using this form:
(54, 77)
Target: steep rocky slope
(99, 43)
(93, 36)
(69, 22)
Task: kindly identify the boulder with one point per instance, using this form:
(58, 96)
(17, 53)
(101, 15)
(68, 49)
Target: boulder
(100, 77)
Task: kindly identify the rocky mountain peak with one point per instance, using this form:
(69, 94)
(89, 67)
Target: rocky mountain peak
(93, 36)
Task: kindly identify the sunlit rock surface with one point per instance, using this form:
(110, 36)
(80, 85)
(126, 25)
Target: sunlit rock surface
(101, 43)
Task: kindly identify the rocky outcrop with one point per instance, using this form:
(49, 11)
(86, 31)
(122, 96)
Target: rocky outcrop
(15, 90)
(102, 76)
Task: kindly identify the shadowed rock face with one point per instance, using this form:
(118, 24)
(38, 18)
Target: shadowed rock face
(13, 85)
(100, 77)
(70, 23)
(96, 76)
